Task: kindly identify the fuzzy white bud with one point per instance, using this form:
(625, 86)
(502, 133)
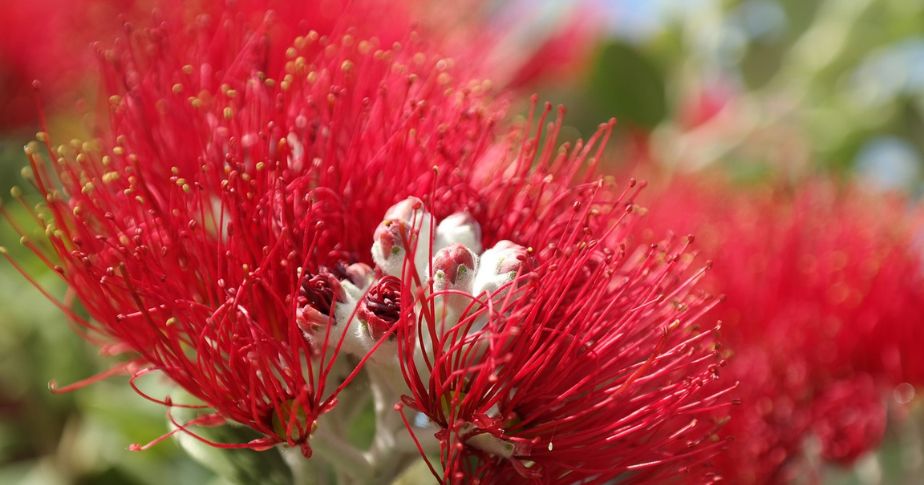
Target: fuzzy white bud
(459, 228)
(454, 268)
(498, 266)
(405, 223)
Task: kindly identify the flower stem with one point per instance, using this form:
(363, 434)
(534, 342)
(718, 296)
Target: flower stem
(343, 456)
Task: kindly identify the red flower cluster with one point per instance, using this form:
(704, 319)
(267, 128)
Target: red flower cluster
(823, 300)
(195, 230)
(221, 229)
(564, 357)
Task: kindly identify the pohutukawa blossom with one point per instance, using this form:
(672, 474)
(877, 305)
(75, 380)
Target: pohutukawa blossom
(210, 231)
(264, 236)
(847, 419)
(823, 296)
(570, 356)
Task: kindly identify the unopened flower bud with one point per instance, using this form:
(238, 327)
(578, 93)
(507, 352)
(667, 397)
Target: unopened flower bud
(459, 228)
(360, 275)
(404, 224)
(356, 278)
(405, 210)
(388, 249)
(499, 266)
(453, 267)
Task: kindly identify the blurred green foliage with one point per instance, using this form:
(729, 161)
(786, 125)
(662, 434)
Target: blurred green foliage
(802, 86)
(625, 83)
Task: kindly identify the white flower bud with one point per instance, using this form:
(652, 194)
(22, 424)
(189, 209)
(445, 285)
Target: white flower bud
(459, 228)
(359, 277)
(498, 266)
(406, 222)
(454, 268)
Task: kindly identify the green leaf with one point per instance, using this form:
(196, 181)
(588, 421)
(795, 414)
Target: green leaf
(627, 84)
(241, 466)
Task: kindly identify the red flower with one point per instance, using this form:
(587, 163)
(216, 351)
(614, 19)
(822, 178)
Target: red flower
(216, 223)
(848, 416)
(221, 232)
(823, 295)
(566, 355)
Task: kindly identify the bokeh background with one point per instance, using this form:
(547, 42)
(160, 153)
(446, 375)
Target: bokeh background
(756, 89)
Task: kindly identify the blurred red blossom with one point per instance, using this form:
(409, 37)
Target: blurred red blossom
(49, 41)
(823, 297)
